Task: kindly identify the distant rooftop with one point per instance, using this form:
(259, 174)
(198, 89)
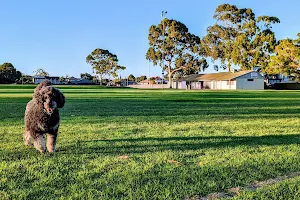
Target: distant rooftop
(46, 77)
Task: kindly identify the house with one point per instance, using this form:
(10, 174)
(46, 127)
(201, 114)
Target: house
(56, 80)
(144, 82)
(153, 80)
(236, 80)
(80, 81)
(271, 79)
(159, 80)
(39, 79)
(278, 78)
(72, 80)
(126, 83)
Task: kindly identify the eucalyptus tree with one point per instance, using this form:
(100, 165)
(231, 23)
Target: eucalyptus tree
(175, 48)
(240, 38)
(104, 63)
(286, 59)
(41, 72)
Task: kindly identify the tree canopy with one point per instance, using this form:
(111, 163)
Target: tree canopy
(41, 72)
(140, 78)
(173, 46)
(86, 76)
(104, 63)
(240, 38)
(9, 74)
(131, 77)
(287, 58)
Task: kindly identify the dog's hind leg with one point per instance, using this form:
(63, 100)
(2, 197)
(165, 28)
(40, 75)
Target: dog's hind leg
(51, 141)
(39, 143)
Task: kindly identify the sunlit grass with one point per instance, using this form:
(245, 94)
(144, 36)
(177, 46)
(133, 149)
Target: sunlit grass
(179, 143)
(287, 189)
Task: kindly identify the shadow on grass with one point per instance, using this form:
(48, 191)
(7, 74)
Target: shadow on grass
(154, 107)
(188, 180)
(115, 103)
(146, 145)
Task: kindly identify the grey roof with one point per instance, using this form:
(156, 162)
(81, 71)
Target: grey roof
(46, 77)
(221, 76)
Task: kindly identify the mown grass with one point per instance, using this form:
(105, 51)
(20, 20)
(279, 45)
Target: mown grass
(288, 189)
(180, 144)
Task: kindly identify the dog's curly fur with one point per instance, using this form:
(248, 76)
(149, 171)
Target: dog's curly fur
(42, 116)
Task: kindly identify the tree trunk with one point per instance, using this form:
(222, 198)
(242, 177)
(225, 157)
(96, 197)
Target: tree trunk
(170, 80)
(100, 80)
(169, 75)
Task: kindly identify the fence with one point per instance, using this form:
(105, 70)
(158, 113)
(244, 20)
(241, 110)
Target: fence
(287, 86)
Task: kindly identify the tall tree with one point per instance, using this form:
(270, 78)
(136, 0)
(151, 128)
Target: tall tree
(9, 74)
(104, 63)
(41, 72)
(174, 47)
(86, 76)
(131, 77)
(141, 78)
(239, 38)
(287, 58)
(61, 79)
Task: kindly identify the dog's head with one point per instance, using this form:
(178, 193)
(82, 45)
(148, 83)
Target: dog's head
(51, 98)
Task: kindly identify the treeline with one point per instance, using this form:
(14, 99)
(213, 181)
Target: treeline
(238, 38)
(9, 74)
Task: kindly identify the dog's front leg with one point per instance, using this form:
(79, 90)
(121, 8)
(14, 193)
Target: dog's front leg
(51, 141)
(27, 138)
(39, 143)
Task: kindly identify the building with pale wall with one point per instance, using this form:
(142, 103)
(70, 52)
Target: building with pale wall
(240, 80)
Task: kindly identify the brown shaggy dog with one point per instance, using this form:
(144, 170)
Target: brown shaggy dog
(42, 116)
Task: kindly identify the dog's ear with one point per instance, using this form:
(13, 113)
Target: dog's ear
(45, 83)
(39, 90)
(39, 94)
(59, 98)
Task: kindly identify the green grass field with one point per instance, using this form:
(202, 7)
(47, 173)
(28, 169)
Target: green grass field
(180, 144)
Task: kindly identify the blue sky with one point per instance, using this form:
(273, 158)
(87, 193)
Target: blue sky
(57, 35)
